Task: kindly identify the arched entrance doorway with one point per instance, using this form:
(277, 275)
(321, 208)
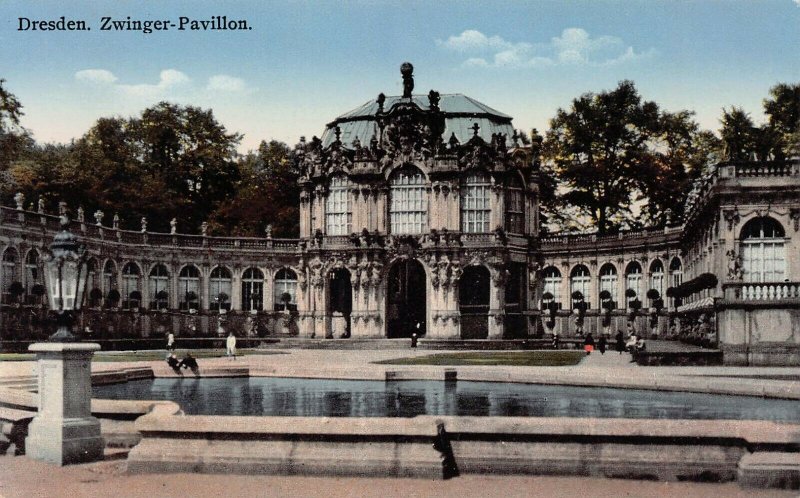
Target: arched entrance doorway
(340, 301)
(406, 299)
(473, 302)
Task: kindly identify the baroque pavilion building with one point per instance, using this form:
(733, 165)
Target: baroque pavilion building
(419, 213)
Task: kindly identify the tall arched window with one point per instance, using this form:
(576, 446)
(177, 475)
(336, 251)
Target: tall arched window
(515, 206)
(189, 288)
(109, 276)
(763, 251)
(9, 272)
(252, 289)
(633, 278)
(408, 206)
(220, 285)
(676, 272)
(675, 275)
(608, 280)
(32, 274)
(93, 294)
(159, 287)
(580, 280)
(475, 209)
(552, 283)
(338, 212)
(285, 290)
(130, 285)
(657, 277)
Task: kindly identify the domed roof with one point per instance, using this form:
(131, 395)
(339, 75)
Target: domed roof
(459, 111)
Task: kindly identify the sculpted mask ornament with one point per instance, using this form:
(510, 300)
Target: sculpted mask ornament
(376, 274)
(317, 279)
(732, 217)
(794, 214)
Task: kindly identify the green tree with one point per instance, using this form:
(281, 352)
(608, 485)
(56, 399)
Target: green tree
(192, 155)
(738, 134)
(783, 109)
(597, 148)
(677, 154)
(13, 137)
(267, 194)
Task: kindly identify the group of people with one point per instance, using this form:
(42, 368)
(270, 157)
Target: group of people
(189, 361)
(633, 345)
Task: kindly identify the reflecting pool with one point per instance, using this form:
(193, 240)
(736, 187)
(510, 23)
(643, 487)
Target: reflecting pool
(354, 398)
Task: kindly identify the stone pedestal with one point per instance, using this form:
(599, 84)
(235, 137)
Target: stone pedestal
(64, 431)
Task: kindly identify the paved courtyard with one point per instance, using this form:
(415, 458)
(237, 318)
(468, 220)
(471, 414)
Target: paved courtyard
(24, 477)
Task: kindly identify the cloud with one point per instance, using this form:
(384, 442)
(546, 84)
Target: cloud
(168, 80)
(96, 76)
(575, 46)
(225, 83)
(472, 40)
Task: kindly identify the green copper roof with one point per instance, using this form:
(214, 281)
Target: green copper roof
(460, 113)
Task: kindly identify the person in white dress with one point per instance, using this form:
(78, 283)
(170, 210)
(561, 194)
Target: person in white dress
(230, 344)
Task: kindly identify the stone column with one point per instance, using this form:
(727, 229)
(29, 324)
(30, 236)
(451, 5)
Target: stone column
(64, 431)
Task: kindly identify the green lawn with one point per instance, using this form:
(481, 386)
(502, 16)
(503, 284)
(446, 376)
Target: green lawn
(511, 358)
(107, 356)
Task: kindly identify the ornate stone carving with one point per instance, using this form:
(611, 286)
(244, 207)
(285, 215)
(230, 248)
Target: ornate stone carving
(407, 70)
(19, 199)
(735, 270)
(794, 215)
(98, 218)
(316, 267)
(732, 217)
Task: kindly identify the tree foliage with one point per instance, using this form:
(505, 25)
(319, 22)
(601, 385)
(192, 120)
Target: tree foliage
(13, 139)
(268, 194)
(612, 150)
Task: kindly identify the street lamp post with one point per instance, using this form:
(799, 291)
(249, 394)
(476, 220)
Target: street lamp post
(64, 430)
(65, 274)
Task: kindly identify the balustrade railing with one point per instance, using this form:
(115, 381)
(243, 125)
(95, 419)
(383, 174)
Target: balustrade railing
(761, 291)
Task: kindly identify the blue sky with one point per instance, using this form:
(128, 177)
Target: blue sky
(305, 62)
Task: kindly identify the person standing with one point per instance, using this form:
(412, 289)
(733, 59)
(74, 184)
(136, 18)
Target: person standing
(588, 343)
(602, 344)
(230, 344)
(620, 338)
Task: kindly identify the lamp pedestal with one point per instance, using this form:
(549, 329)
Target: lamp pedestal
(64, 431)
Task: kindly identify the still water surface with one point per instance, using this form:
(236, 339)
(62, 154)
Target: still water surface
(355, 398)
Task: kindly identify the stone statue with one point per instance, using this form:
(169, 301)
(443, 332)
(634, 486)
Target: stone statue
(81, 217)
(407, 70)
(115, 223)
(98, 218)
(173, 226)
(62, 208)
(19, 198)
(41, 206)
(144, 224)
(204, 228)
(735, 270)
(268, 230)
(433, 100)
